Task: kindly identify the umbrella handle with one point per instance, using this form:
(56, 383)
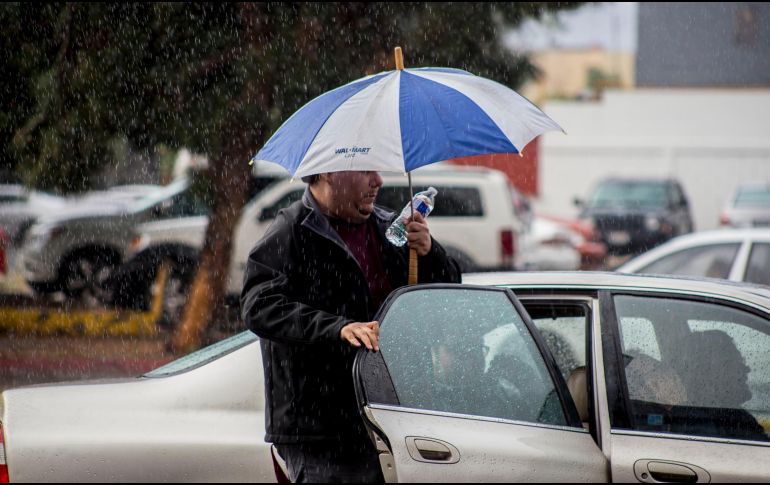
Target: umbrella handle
(412, 267)
(412, 252)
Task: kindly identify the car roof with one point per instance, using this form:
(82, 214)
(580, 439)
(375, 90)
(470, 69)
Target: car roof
(758, 295)
(716, 236)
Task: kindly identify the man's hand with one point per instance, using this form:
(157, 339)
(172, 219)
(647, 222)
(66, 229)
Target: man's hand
(367, 333)
(418, 235)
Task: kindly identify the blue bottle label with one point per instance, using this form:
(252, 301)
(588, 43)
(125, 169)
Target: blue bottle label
(422, 208)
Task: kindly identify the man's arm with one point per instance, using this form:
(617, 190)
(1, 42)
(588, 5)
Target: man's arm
(269, 312)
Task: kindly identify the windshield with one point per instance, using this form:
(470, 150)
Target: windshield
(753, 197)
(629, 195)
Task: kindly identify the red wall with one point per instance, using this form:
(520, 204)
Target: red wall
(521, 171)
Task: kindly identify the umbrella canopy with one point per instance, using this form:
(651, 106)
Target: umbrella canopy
(402, 120)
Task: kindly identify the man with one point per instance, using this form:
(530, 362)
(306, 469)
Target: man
(311, 289)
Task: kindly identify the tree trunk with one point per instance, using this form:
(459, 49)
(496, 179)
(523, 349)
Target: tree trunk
(230, 177)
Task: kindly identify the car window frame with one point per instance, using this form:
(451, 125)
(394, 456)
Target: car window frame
(477, 189)
(587, 302)
(618, 399)
(362, 359)
(750, 253)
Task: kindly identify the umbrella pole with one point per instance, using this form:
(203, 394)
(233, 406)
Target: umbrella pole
(412, 252)
(399, 56)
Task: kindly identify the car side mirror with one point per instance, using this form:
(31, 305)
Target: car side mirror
(578, 202)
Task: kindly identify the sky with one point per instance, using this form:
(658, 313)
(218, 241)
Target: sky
(611, 26)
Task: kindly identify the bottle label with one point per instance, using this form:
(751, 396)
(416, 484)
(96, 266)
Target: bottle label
(422, 208)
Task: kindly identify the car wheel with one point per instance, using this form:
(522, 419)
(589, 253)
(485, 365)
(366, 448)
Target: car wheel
(85, 279)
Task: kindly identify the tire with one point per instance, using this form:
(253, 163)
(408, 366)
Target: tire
(85, 278)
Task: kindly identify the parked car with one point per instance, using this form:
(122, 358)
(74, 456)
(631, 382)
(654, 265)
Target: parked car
(549, 246)
(749, 206)
(78, 249)
(558, 243)
(732, 254)
(20, 207)
(474, 219)
(580, 377)
(635, 215)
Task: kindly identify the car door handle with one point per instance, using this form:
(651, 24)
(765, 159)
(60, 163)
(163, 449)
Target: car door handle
(658, 471)
(432, 451)
(671, 473)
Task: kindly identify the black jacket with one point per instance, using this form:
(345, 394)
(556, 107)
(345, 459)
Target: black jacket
(301, 286)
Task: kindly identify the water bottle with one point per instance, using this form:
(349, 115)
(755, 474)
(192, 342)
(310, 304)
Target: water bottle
(423, 203)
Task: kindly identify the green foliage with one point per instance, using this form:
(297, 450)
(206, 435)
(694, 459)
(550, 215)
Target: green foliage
(79, 75)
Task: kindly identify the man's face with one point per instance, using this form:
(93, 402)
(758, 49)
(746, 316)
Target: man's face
(353, 194)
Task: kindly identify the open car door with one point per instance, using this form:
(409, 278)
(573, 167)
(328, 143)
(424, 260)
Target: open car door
(464, 389)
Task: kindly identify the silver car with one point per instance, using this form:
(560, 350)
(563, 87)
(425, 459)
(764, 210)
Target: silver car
(734, 254)
(749, 206)
(580, 377)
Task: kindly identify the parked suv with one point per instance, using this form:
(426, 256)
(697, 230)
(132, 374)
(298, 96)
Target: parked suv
(76, 250)
(474, 219)
(634, 215)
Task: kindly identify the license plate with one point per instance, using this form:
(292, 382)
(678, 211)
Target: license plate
(619, 238)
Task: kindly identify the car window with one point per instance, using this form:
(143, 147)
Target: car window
(12, 198)
(759, 264)
(752, 197)
(450, 201)
(713, 261)
(184, 204)
(710, 374)
(624, 194)
(282, 203)
(638, 337)
(260, 183)
(563, 327)
(467, 351)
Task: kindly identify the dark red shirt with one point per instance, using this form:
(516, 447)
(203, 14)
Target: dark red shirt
(364, 243)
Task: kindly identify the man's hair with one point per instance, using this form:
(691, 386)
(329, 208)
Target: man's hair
(311, 179)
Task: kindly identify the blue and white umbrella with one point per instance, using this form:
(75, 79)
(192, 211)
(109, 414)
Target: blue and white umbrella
(401, 120)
